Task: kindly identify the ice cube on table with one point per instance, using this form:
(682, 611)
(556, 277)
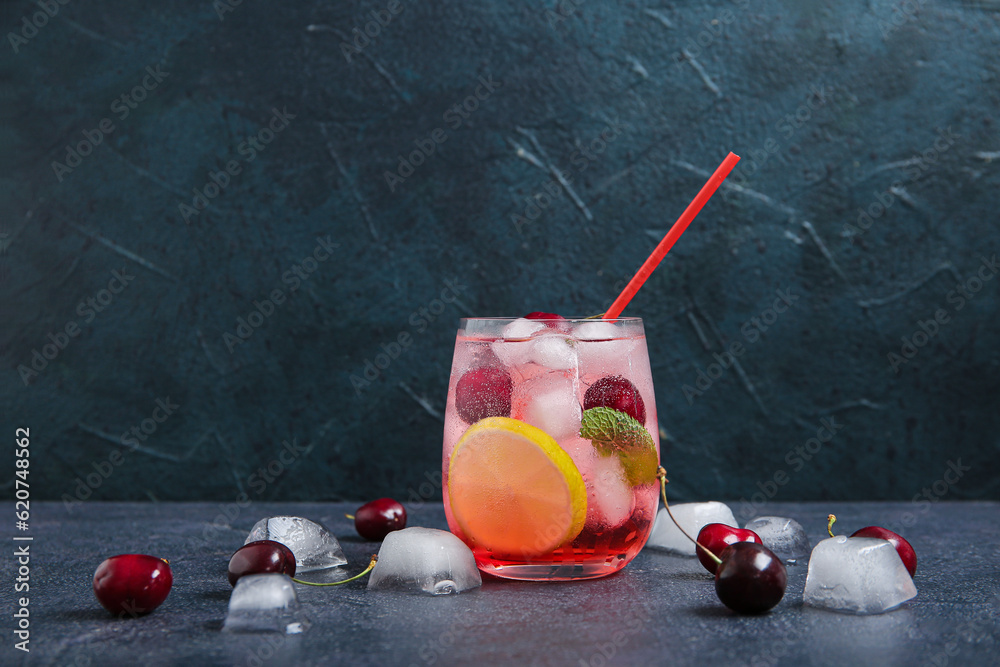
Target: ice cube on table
(857, 575)
(313, 545)
(550, 403)
(424, 560)
(693, 517)
(554, 351)
(265, 603)
(610, 499)
(785, 537)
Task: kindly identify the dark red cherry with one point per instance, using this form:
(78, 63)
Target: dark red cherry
(751, 579)
(717, 536)
(617, 393)
(132, 584)
(482, 393)
(261, 557)
(903, 548)
(378, 518)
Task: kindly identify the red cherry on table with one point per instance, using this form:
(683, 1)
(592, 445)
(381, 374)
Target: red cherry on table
(484, 392)
(716, 537)
(376, 519)
(132, 584)
(617, 393)
(261, 557)
(750, 579)
(903, 548)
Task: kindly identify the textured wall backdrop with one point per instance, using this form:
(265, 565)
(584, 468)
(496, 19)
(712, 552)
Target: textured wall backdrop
(169, 166)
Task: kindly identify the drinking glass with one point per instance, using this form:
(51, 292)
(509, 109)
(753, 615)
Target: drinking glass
(551, 445)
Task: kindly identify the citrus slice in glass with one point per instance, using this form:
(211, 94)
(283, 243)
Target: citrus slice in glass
(513, 490)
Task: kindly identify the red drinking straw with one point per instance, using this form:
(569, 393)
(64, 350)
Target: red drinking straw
(670, 239)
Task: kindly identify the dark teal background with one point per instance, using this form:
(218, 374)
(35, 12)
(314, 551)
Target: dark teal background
(829, 103)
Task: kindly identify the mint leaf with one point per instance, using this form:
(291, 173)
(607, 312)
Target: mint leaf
(608, 428)
(616, 433)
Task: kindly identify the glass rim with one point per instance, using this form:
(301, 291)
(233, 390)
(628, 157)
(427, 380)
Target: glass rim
(567, 320)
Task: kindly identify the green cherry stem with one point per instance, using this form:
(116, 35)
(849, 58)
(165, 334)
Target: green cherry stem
(830, 520)
(350, 516)
(661, 474)
(368, 569)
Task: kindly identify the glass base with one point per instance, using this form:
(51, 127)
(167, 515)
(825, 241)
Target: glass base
(554, 571)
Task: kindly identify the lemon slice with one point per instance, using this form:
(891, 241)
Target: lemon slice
(513, 490)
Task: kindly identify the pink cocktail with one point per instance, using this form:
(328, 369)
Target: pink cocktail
(551, 445)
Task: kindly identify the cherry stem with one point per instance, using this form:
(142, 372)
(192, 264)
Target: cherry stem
(350, 516)
(595, 317)
(830, 520)
(661, 474)
(368, 569)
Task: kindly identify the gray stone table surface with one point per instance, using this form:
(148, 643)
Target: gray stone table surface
(661, 609)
